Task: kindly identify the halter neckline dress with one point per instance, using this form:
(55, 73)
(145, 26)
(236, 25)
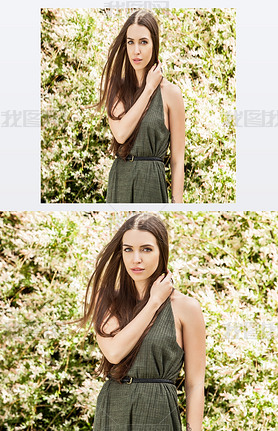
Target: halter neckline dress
(143, 181)
(146, 406)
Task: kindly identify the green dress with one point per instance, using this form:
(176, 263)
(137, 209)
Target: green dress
(146, 406)
(143, 181)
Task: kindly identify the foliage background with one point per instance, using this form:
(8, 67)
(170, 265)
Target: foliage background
(197, 50)
(226, 260)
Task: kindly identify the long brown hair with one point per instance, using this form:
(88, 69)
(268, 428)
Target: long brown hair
(112, 292)
(120, 82)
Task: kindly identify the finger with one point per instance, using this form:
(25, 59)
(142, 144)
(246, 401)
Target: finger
(169, 275)
(160, 278)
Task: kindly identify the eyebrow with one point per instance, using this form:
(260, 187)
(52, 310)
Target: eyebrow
(143, 245)
(139, 39)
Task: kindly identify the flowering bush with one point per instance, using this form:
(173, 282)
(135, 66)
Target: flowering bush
(197, 50)
(228, 261)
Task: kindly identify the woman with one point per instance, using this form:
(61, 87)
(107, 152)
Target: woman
(145, 330)
(145, 112)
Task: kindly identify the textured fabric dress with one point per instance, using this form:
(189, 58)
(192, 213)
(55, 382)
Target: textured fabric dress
(146, 406)
(143, 181)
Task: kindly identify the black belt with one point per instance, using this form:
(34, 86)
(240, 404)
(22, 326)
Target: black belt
(135, 158)
(130, 380)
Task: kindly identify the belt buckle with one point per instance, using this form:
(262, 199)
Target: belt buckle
(130, 381)
(132, 159)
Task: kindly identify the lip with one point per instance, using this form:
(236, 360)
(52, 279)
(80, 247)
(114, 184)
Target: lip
(137, 60)
(137, 270)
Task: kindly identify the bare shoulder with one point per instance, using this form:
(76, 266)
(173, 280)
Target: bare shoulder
(172, 96)
(170, 90)
(185, 307)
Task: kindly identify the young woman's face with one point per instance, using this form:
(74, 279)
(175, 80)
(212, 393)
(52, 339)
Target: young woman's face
(139, 46)
(140, 254)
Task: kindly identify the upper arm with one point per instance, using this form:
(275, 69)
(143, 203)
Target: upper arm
(194, 342)
(176, 123)
(105, 342)
(115, 124)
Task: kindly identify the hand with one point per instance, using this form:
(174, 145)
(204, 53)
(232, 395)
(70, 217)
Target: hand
(161, 288)
(154, 76)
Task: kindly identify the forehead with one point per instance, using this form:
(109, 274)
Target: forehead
(136, 31)
(137, 237)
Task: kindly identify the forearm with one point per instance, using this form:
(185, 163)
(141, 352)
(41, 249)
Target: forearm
(127, 124)
(177, 181)
(117, 347)
(194, 407)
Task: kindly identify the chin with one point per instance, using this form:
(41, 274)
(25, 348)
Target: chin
(138, 277)
(138, 67)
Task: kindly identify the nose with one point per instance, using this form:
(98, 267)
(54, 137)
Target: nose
(136, 48)
(137, 257)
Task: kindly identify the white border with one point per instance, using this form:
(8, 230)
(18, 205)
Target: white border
(257, 71)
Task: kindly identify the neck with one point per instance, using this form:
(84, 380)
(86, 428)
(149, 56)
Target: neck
(141, 288)
(140, 77)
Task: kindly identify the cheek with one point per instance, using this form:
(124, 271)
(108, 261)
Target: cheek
(150, 50)
(155, 261)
